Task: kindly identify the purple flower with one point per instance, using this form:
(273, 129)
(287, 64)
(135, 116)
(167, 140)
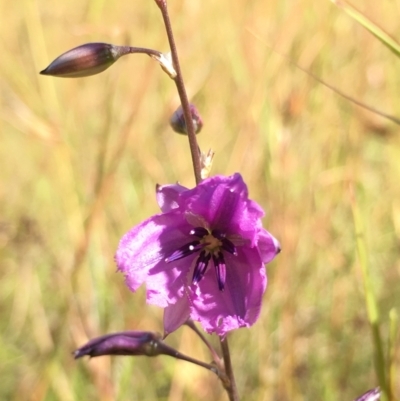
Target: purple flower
(203, 257)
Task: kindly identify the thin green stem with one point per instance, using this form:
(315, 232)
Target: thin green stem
(391, 373)
(194, 149)
(370, 300)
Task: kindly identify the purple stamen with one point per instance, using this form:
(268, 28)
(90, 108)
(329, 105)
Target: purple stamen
(185, 250)
(218, 234)
(228, 246)
(201, 266)
(199, 232)
(220, 270)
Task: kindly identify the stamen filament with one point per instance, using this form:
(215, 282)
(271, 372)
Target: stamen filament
(220, 269)
(201, 266)
(185, 250)
(199, 232)
(229, 246)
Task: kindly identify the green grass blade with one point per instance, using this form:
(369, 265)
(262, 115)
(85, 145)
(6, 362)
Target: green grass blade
(378, 32)
(391, 369)
(370, 300)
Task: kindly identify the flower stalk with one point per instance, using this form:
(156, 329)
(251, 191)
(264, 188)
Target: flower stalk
(194, 148)
(218, 361)
(230, 384)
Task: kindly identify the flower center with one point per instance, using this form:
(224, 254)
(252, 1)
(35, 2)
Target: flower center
(210, 244)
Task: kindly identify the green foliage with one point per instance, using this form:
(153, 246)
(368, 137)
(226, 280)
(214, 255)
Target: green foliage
(80, 160)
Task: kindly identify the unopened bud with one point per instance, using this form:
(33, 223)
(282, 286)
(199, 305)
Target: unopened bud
(178, 123)
(123, 343)
(371, 395)
(85, 60)
(135, 343)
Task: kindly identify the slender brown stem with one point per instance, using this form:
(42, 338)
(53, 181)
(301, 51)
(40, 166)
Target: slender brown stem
(194, 149)
(149, 52)
(230, 386)
(227, 377)
(216, 357)
(167, 350)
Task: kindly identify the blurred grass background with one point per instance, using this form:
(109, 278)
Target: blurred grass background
(80, 160)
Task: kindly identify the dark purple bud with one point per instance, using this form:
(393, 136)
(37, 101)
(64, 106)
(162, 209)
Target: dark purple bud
(123, 343)
(371, 395)
(178, 123)
(88, 59)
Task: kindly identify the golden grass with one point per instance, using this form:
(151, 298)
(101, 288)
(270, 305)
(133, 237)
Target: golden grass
(80, 160)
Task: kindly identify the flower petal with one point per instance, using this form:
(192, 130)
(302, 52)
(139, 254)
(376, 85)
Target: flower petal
(175, 315)
(268, 245)
(141, 257)
(222, 203)
(168, 195)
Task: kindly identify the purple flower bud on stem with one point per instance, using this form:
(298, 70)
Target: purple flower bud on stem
(90, 59)
(123, 343)
(135, 343)
(178, 123)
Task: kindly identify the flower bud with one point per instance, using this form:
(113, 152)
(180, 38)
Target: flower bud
(178, 123)
(85, 60)
(123, 343)
(371, 395)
